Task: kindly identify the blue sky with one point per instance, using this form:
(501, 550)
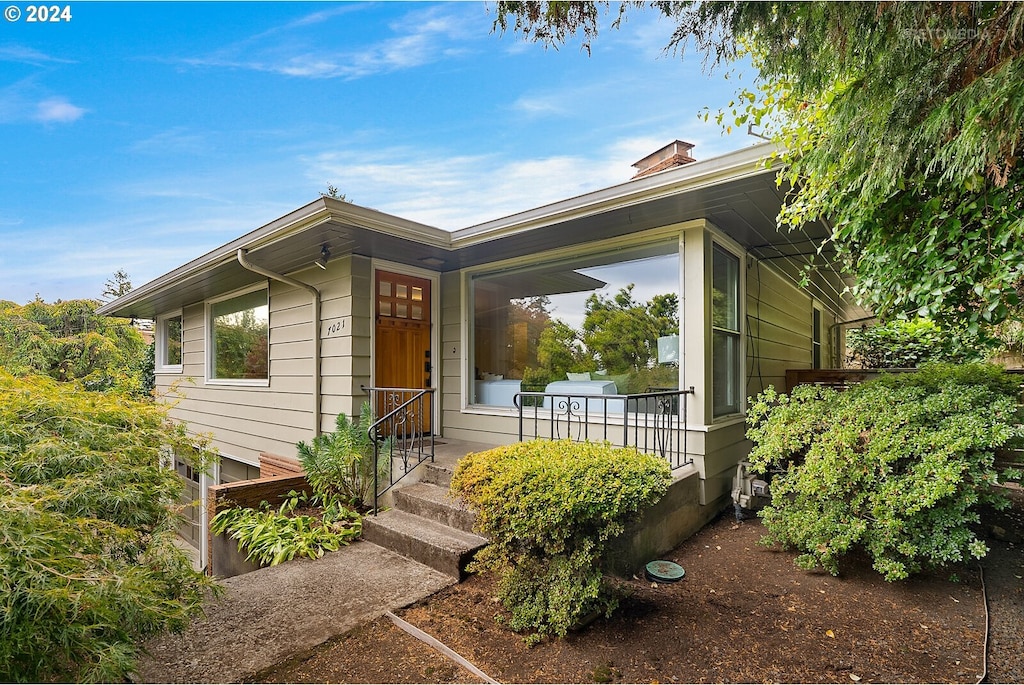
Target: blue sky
(139, 136)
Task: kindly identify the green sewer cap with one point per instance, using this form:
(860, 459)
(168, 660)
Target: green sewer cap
(664, 571)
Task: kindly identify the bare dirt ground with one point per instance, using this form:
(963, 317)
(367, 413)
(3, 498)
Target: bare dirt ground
(743, 613)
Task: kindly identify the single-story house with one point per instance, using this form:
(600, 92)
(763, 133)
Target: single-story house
(272, 335)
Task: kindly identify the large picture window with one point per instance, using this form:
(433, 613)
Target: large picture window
(725, 332)
(239, 337)
(607, 322)
(169, 342)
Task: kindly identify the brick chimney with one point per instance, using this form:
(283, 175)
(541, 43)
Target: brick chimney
(676, 153)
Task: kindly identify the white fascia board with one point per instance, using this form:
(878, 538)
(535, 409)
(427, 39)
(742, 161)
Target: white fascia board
(746, 162)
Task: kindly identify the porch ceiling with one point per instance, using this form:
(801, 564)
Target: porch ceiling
(731, 192)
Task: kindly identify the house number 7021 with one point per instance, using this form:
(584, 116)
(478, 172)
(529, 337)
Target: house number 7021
(336, 327)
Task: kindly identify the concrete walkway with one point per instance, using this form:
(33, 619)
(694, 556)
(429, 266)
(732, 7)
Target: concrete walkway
(268, 615)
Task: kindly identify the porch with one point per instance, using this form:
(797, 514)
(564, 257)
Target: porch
(413, 514)
(422, 522)
(652, 422)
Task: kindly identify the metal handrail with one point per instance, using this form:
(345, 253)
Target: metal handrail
(411, 444)
(661, 432)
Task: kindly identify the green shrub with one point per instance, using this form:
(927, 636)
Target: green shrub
(340, 465)
(271, 537)
(89, 567)
(910, 344)
(549, 510)
(896, 466)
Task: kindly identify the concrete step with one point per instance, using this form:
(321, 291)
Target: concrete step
(438, 474)
(434, 544)
(432, 502)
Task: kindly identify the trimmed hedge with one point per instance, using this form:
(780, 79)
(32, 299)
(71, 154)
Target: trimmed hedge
(549, 510)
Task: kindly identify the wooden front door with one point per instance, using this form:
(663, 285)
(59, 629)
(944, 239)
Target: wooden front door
(402, 355)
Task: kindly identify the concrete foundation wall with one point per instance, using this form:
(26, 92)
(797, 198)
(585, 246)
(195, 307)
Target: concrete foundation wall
(676, 517)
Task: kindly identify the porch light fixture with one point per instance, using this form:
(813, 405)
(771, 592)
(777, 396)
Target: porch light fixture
(325, 254)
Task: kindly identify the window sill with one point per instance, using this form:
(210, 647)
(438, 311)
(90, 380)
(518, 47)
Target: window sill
(240, 382)
(169, 369)
(727, 421)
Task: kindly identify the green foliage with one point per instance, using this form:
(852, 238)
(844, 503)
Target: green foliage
(549, 510)
(340, 469)
(89, 567)
(147, 371)
(926, 214)
(909, 344)
(896, 466)
(271, 537)
(897, 123)
(339, 465)
(68, 341)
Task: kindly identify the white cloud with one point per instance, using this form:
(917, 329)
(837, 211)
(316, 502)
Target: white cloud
(421, 38)
(26, 55)
(453, 192)
(57, 110)
(174, 140)
(540, 105)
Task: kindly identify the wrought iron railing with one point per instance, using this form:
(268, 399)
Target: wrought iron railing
(402, 435)
(652, 422)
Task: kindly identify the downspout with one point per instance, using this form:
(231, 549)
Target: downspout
(317, 379)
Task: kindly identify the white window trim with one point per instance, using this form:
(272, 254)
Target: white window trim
(208, 340)
(161, 343)
(729, 246)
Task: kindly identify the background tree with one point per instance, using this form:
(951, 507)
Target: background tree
(117, 285)
(909, 344)
(900, 124)
(333, 192)
(68, 341)
(560, 350)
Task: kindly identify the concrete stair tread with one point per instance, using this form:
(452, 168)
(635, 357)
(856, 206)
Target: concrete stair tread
(438, 474)
(432, 493)
(433, 502)
(429, 542)
(433, 533)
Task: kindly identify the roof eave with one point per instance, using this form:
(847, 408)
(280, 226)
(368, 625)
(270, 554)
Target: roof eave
(734, 165)
(320, 211)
